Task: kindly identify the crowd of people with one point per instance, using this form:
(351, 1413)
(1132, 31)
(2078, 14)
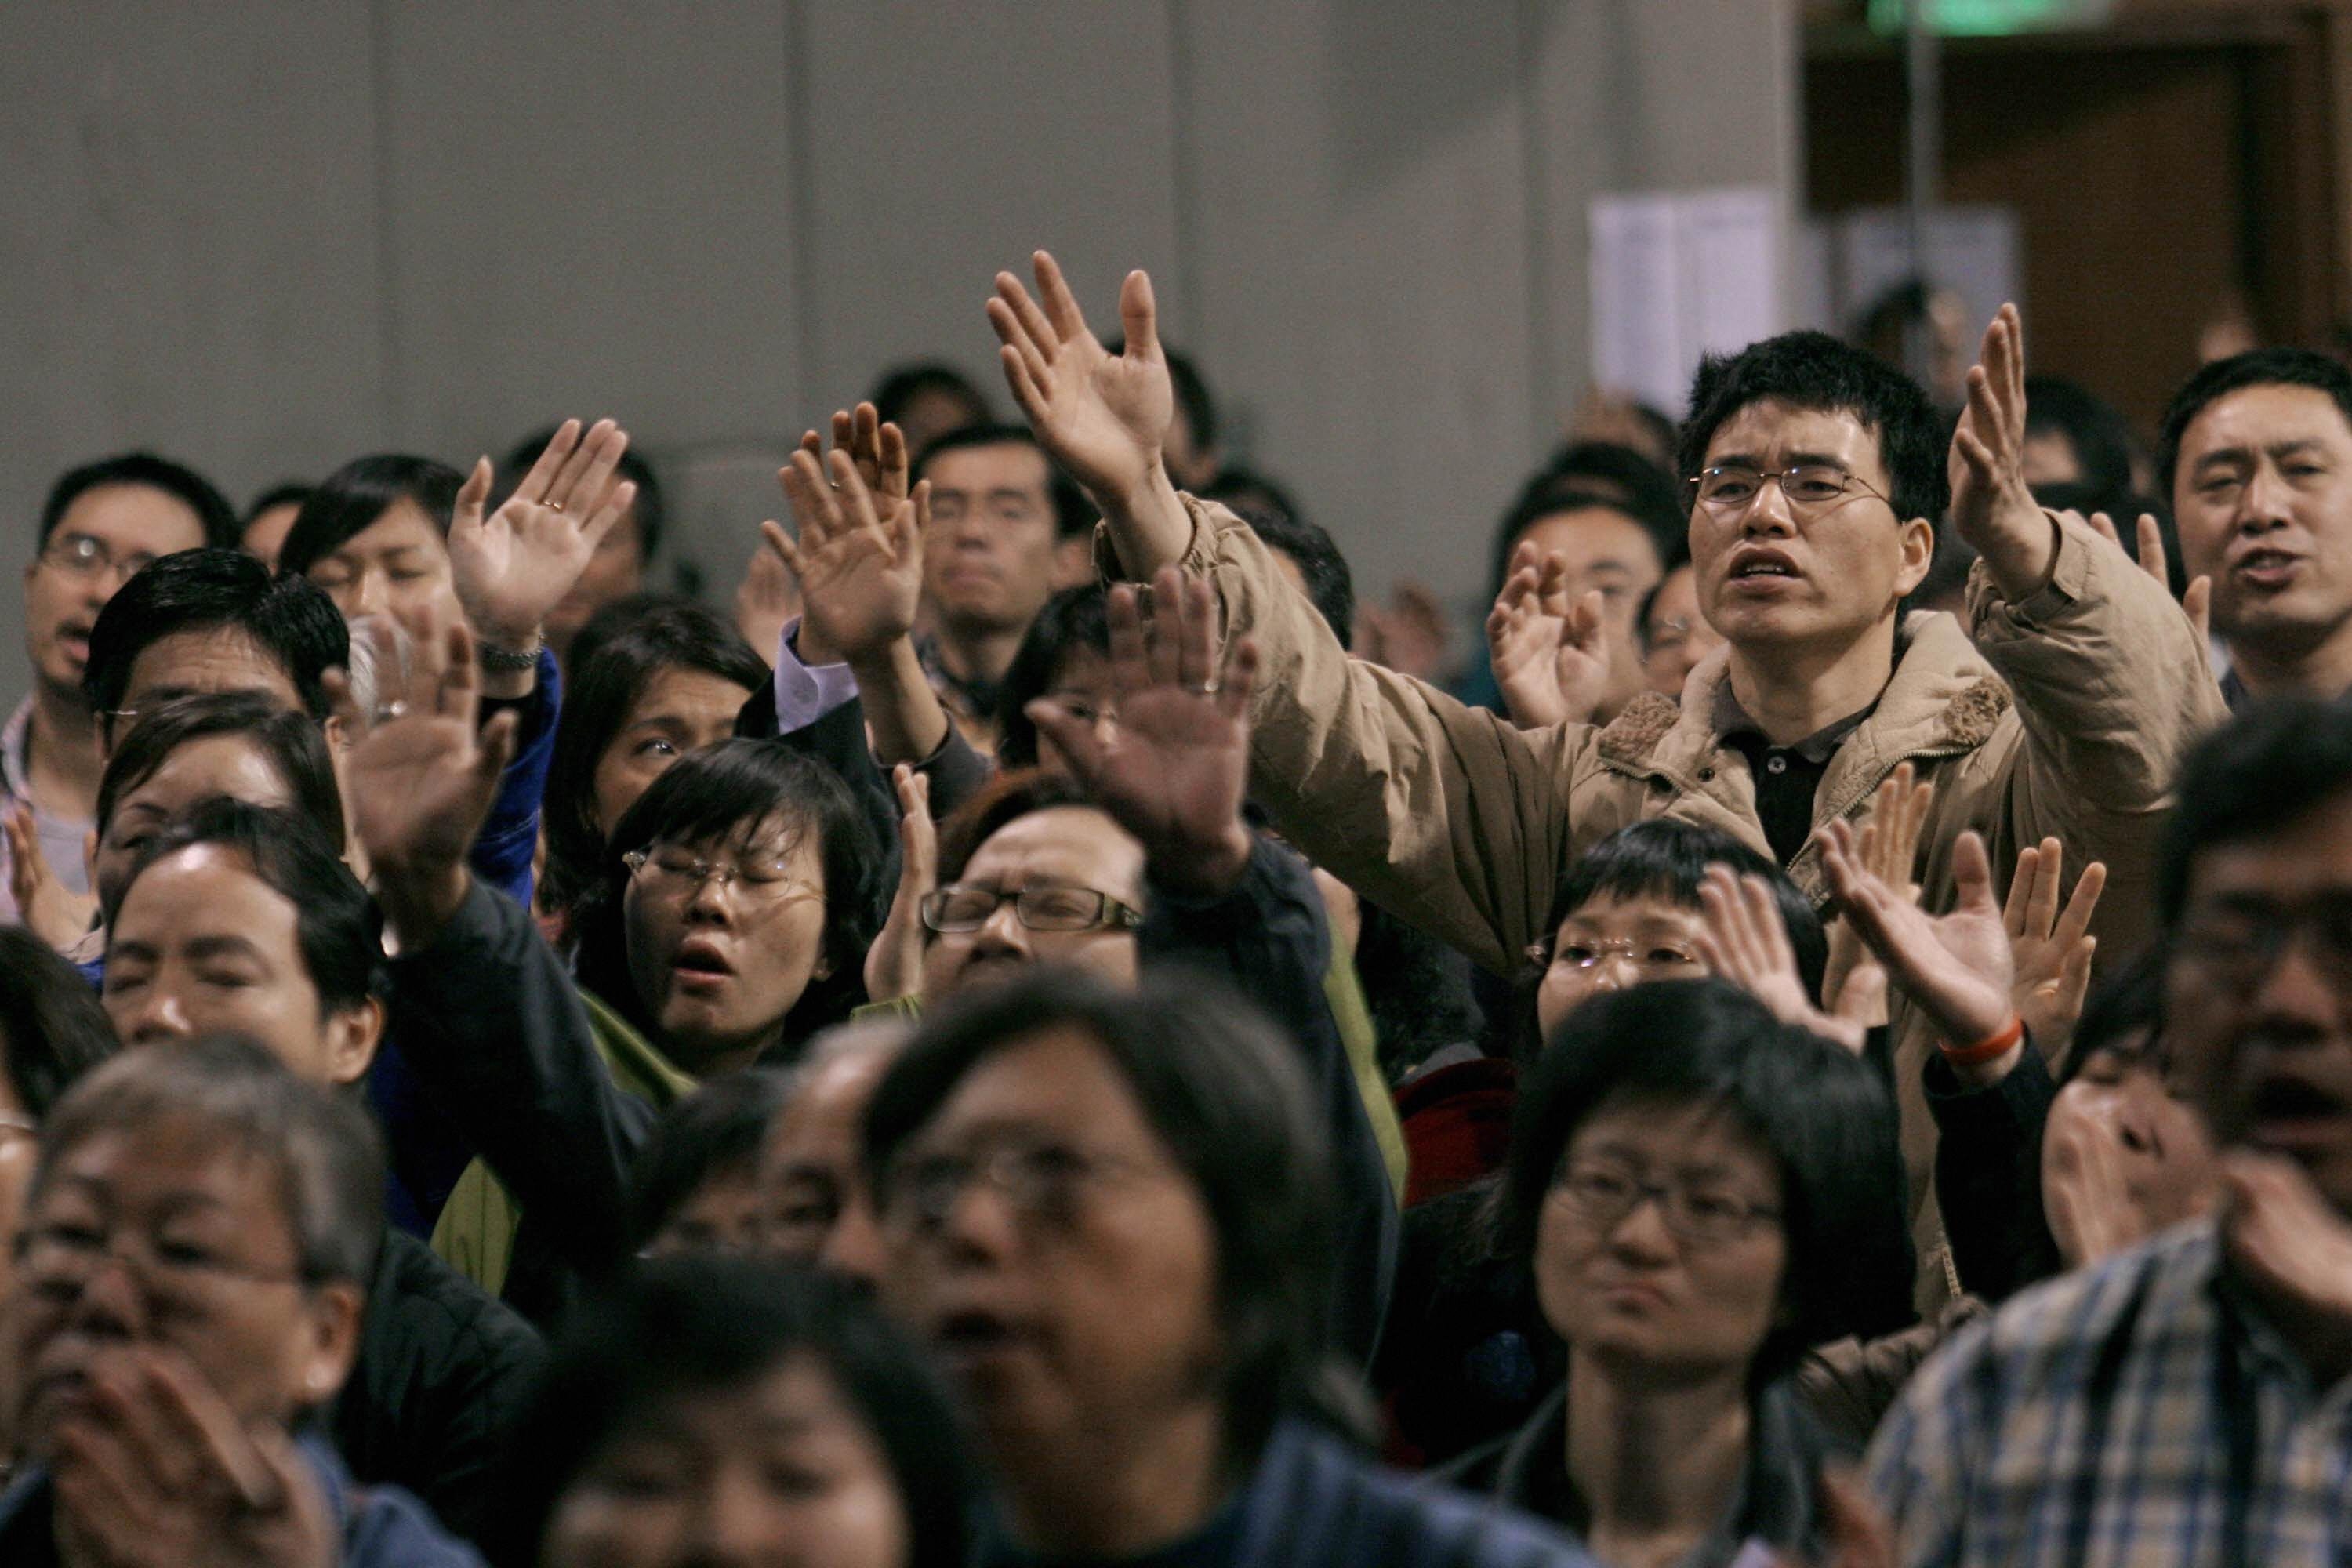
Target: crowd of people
(1051, 1030)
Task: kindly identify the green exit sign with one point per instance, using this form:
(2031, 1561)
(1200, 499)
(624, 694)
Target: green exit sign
(1991, 18)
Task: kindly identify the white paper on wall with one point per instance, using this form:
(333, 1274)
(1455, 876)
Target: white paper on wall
(1679, 274)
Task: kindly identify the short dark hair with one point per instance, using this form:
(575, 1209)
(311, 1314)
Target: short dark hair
(652, 511)
(1825, 1116)
(290, 742)
(2255, 776)
(2096, 428)
(1668, 859)
(289, 618)
(292, 492)
(54, 1028)
(1005, 799)
(723, 790)
(2129, 1002)
(1074, 619)
(1072, 513)
(215, 516)
(1224, 1092)
(1330, 587)
(327, 1154)
(357, 494)
(608, 674)
(336, 926)
(1815, 370)
(2257, 367)
(901, 384)
(678, 1329)
(715, 1130)
(1597, 474)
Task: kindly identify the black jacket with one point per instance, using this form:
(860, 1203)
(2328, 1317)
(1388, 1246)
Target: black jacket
(1989, 1175)
(442, 1375)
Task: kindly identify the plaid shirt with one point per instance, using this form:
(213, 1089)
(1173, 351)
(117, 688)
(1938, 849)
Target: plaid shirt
(2138, 1413)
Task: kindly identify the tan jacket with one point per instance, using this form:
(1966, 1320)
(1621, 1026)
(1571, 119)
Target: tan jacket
(2061, 716)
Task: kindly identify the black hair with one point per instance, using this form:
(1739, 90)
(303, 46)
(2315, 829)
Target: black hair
(52, 1026)
(2258, 367)
(724, 792)
(651, 512)
(292, 492)
(1074, 619)
(634, 640)
(1005, 799)
(2092, 426)
(291, 741)
(1330, 587)
(2127, 1003)
(1664, 859)
(1817, 371)
(1224, 1092)
(678, 1329)
(1417, 988)
(357, 494)
(716, 1131)
(2255, 776)
(1826, 1118)
(337, 927)
(1072, 513)
(325, 1148)
(289, 618)
(1192, 390)
(215, 516)
(1602, 474)
(902, 384)
(1242, 488)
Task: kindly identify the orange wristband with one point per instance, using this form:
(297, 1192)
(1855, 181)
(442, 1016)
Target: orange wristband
(1993, 1047)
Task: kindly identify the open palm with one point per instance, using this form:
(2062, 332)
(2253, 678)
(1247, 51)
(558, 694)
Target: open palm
(1103, 416)
(1955, 966)
(513, 565)
(859, 557)
(1549, 652)
(421, 785)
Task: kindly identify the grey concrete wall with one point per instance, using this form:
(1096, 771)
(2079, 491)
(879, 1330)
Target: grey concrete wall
(270, 234)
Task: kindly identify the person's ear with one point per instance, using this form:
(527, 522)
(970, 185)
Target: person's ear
(1918, 541)
(330, 1342)
(354, 1033)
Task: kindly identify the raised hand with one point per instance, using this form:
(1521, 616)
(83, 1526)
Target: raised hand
(1955, 966)
(859, 557)
(894, 964)
(2052, 949)
(420, 786)
(766, 600)
(515, 565)
(1745, 941)
(1889, 846)
(1103, 416)
(43, 907)
(2196, 600)
(157, 1470)
(1992, 505)
(1174, 769)
(1550, 655)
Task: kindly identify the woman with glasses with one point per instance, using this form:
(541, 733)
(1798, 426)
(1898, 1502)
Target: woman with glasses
(1109, 1212)
(190, 1278)
(726, 926)
(1699, 1194)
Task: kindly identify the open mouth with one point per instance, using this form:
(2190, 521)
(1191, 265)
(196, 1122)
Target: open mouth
(976, 1334)
(1762, 565)
(700, 966)
(2266, 568)
(2293, 1114)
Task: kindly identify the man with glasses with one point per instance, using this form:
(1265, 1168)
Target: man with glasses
(1815, 475)
(2185, 1402)
(102, 523)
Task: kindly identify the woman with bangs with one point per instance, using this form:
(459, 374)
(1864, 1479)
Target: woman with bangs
(727, 925)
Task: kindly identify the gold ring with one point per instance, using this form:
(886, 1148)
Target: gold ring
(555, 506)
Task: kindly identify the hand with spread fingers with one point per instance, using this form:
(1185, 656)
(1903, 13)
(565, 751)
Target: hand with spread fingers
(156, 1471)
(1888, 844)
(513, 565)
(2196, 600)
(1549, 652)
(1104, 417)
(1173, 769)
(421, 785)
(1955, 966)
(43, 907)
(1992, 507)
(2053, 948)
(894, 963)
(1745, 941)
(859, 556)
